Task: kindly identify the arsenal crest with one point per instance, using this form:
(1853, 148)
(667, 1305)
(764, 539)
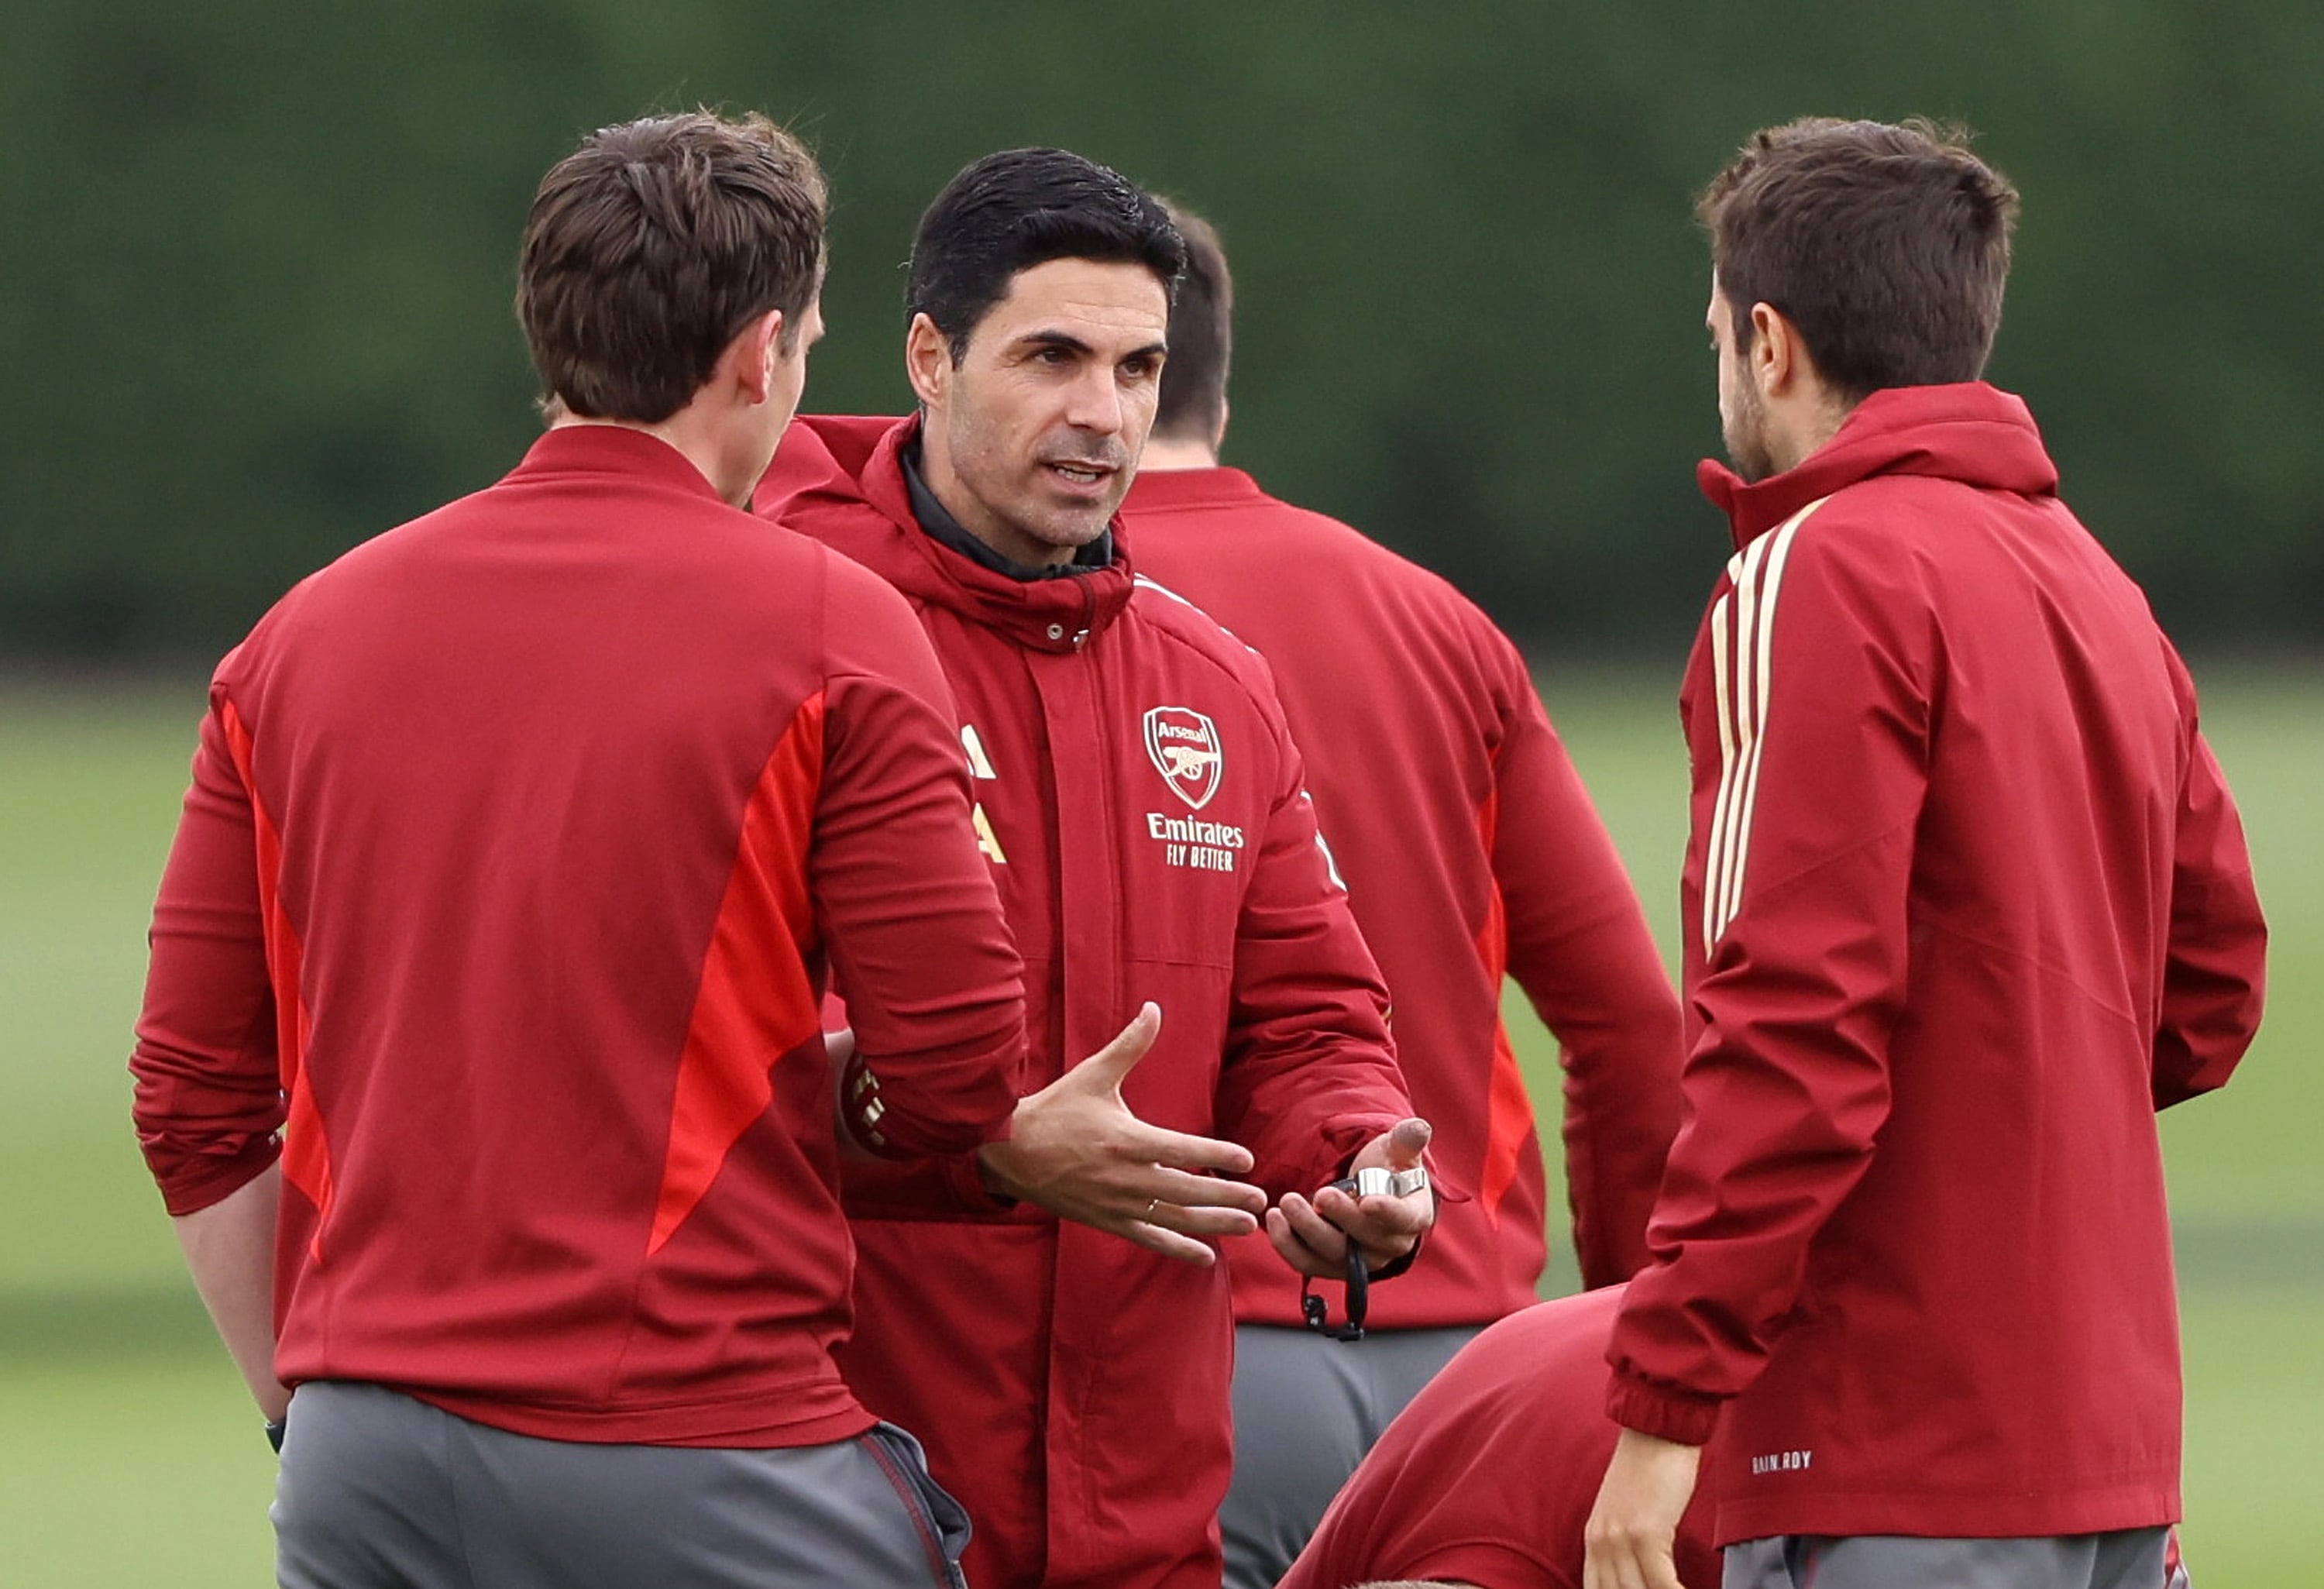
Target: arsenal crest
(1184, 745)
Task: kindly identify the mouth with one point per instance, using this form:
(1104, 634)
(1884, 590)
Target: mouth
(1079, 478)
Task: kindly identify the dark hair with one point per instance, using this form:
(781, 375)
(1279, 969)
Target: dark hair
(1021, 207)
(1888, 246)
(1193, 399)
(652, 245)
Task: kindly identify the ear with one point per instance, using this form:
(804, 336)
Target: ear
(1226, 412)
(1780, 360)
(749, 360)
(1773, 348)
(927, 360)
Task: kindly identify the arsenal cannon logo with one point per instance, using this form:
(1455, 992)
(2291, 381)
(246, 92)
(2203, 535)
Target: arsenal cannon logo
(1184, 745)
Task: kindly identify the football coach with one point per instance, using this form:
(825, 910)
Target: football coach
(480, 1062)
(1143, 809)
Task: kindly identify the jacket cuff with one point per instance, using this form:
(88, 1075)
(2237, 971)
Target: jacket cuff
(964, 1176)
(1684, 1417)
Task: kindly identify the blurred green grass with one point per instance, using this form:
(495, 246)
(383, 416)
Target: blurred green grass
(130, 1456)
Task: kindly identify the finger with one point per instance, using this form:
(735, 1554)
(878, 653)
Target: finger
(1176, 1150)
(1211, 1223)
(1605, 1567)
(1319, 1234)
(1154, 1238)
(1302, 1258)
(1112, 1063)
(1385, 1235)
(1206, 1191)
(1377, 1217)
(1409, 1214)
(1407, 1142)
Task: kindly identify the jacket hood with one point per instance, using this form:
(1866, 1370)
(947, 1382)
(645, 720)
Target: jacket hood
(840, 478)
(1970, 432)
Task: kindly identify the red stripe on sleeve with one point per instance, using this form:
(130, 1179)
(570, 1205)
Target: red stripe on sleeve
(1508, 1120)
(305, 1150)
(756, 1001)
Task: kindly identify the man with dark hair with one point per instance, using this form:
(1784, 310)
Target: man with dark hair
(1486, 1478)
(480, 1062)
(1967, 901)
(1142, 810)
(1471, 851)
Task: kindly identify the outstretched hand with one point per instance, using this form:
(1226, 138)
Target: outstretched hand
(1075, 1149)
(1312, 1235)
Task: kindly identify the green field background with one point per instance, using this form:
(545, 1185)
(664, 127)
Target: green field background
(130, 1457)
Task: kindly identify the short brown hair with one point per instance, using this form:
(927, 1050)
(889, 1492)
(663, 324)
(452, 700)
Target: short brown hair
(652, 245)
(1888, 246)
(1194, 398)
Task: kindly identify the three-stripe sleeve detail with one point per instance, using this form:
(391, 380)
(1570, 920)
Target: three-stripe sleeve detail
(1742, 662)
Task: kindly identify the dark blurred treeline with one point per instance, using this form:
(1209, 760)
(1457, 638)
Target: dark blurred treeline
(255, 262)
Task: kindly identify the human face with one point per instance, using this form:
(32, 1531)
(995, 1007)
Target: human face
(1742, 408)
(1033, 438)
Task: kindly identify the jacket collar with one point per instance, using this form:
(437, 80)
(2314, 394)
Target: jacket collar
(617, 449)
(1059, 615)
(1970, 432)
(936, 518)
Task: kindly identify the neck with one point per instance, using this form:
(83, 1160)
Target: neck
(970, 513)
(1165, 453)
(731, 475)
(1806, 427)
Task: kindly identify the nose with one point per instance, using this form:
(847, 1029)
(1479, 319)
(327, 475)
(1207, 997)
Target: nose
(1094, 404)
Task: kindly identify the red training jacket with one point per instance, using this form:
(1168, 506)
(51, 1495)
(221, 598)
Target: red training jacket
(1471, 849)
(1489, 1475)
(1967, 901)
(517, 843)
(1146, 824)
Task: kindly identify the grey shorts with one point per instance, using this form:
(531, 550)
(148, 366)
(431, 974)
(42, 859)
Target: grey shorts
(1306, 1411)
(2133, 1558)
(378, 1490)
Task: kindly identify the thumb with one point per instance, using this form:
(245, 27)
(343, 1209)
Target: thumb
(1406, 1142)
(1110, 1066)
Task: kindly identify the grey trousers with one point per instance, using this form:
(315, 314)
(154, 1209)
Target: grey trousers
(2133, 1558)
(379, 1491)
(1306, 1411)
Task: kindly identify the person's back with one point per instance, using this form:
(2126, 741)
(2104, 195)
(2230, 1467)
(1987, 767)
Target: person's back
(1426, 750)
(1486, 1478)
(1966, 902)
(2008, 781)
(480, 1064)
(506, 756)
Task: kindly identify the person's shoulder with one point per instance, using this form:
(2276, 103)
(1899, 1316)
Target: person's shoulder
(1336, 551)
(1577, 1326)
(849, 586)
(1158, 608)
(820, 463)
(1179, 624)
(1870, 542)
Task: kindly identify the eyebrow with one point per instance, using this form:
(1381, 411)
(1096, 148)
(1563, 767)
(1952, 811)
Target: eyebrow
(1067, 340)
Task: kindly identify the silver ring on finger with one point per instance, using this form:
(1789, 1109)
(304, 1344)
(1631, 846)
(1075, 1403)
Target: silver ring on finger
(1152, 1204)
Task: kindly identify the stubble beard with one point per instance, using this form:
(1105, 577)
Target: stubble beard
(983, 462)
(1743, 427)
